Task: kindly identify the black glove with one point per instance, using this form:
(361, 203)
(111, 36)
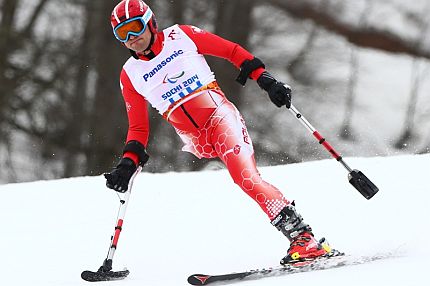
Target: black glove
(279, 93)
(119, 177)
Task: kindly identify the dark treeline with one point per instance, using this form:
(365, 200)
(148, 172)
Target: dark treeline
(61, 111)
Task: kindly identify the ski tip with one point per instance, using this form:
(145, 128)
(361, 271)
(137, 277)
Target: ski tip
(198, 279)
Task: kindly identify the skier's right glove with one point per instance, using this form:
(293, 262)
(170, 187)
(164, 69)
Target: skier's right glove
(279, 93)
(119, 177)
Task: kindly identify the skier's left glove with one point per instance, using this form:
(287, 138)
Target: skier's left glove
(279, 93)
(119, 177)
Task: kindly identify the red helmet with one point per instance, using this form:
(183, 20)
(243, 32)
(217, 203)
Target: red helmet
(127, 9)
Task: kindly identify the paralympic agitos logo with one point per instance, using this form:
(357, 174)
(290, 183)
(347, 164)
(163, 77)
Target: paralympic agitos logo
(162, 64)
(174, 78)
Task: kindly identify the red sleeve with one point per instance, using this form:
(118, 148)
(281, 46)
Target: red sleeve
(213, 45)
(137, 112)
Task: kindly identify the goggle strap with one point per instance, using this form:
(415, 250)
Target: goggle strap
(147, 16)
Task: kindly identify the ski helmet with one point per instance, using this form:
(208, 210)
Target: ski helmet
(127, 9)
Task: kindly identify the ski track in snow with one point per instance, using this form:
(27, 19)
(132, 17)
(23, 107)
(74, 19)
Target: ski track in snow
(53, 230)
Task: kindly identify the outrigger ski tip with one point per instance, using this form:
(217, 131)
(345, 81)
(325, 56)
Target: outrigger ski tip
(91, 276)
(104, 273)
(365, 186)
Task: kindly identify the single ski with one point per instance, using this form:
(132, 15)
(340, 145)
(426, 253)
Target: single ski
(298, 267)
(92, 276)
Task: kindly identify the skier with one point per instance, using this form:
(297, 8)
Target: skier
(168, 70)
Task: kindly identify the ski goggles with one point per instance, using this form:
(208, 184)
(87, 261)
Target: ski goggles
(135, 26)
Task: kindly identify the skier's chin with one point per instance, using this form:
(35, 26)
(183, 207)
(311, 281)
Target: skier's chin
(138, 46)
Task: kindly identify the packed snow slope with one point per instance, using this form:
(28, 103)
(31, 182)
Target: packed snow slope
(183, 223)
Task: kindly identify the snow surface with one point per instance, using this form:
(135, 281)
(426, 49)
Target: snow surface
(53, 230)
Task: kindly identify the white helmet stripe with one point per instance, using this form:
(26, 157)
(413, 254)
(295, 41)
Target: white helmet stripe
(147, 16)
(115, 13)
(127, 13)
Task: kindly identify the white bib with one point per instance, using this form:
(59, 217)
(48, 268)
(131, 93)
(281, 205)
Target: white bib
(173, 74)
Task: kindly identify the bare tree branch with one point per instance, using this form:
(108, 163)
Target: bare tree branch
(366, 37)
(26, 32)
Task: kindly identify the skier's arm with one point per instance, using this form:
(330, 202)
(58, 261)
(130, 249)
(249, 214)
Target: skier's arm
(138, 122)
(214, 45)
(250, 66)
(134, 152)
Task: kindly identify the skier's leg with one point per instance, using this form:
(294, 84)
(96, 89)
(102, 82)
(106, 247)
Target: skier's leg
(233, 145)
(224, 135)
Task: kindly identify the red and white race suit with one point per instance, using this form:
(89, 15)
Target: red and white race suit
(180, 85)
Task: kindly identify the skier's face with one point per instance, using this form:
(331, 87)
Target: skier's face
(139, 43)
